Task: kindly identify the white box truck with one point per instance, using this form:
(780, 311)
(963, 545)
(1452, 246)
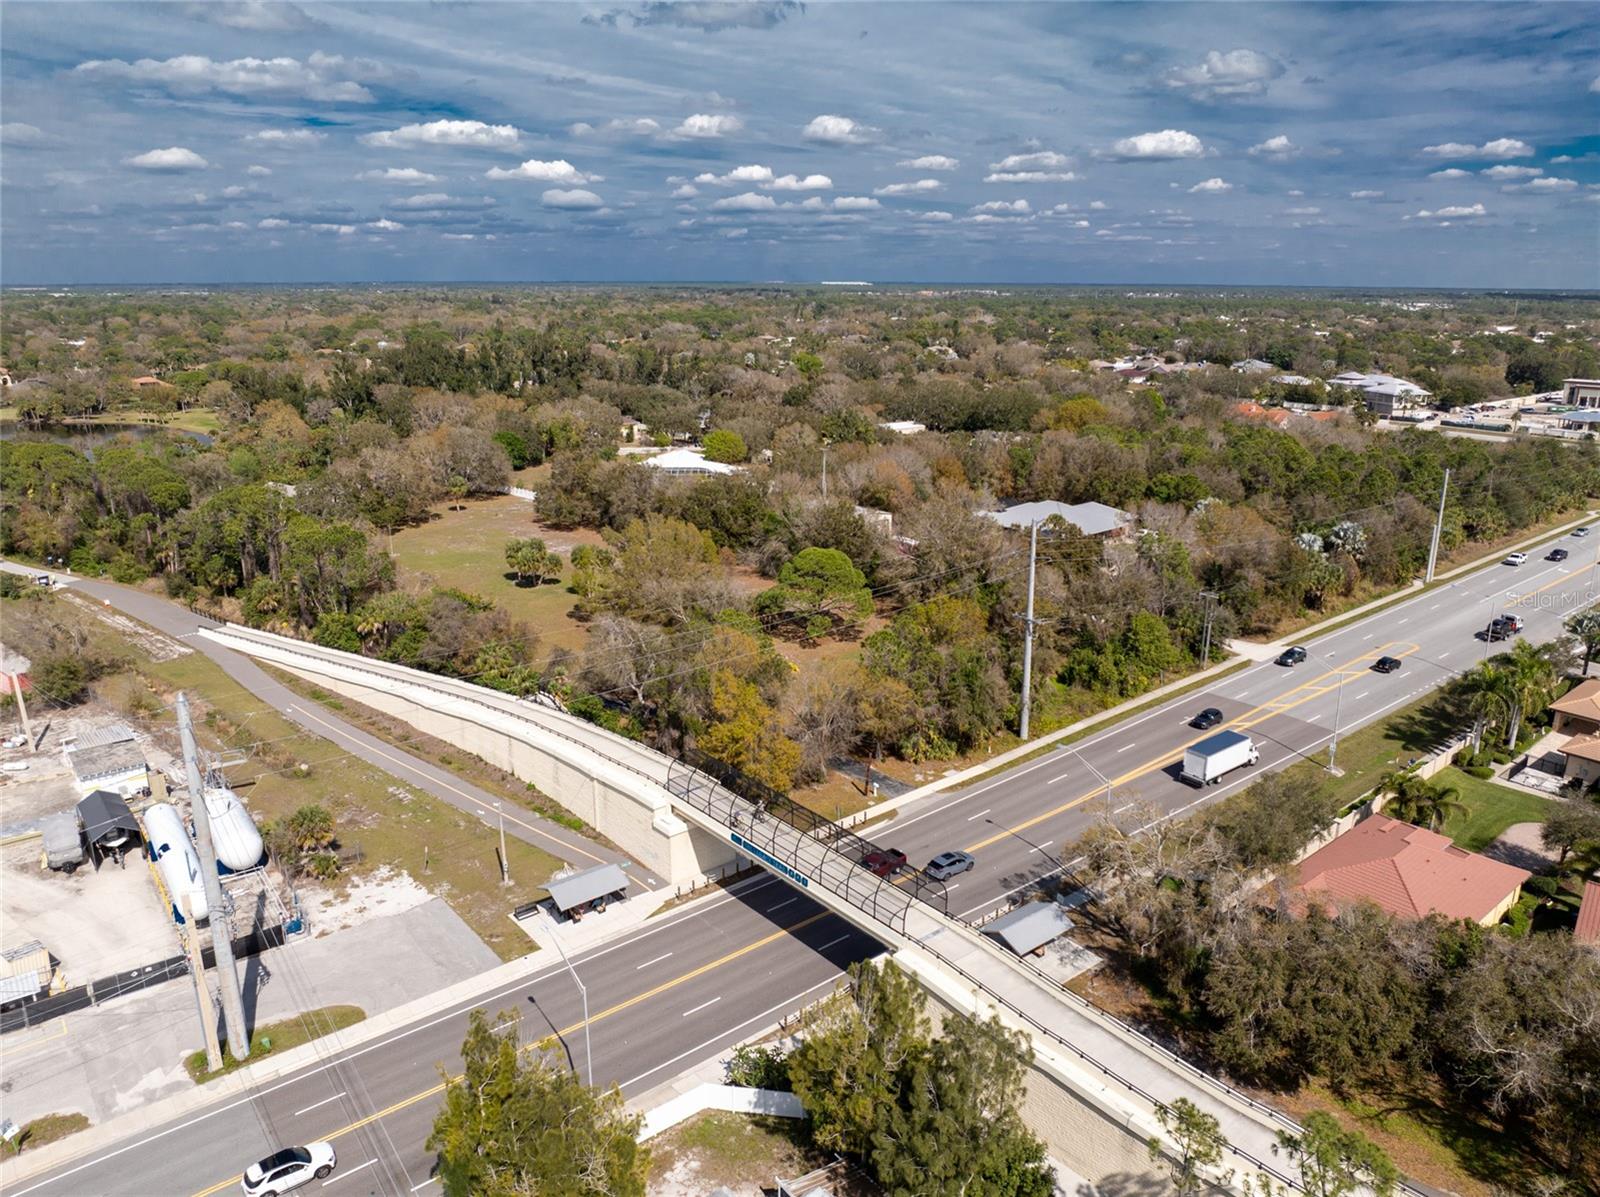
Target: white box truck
(1206, 762)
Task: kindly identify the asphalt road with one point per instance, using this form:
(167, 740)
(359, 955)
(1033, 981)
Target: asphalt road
(679, 990)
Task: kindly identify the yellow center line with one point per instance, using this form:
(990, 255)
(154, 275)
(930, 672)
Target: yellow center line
(1567, 577)
(1257, 714)
(555, 1035)
(469, 797)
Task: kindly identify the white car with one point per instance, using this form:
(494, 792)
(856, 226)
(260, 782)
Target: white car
(1517, 559)
(1583, 531)
(288, 1169)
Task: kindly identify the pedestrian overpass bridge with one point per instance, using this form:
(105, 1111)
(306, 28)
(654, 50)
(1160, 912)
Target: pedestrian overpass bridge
(1107, 1078)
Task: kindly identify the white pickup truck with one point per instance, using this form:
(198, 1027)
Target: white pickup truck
(1206, 762)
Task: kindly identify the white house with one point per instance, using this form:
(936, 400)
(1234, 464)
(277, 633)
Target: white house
(903, 427)
(689, 461)
(1252, 365)
(1092, 519)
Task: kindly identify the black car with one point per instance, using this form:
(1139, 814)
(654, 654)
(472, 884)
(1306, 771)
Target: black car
(1292, 655)
(1209, 717)
(1556, 555)
(1386, 664)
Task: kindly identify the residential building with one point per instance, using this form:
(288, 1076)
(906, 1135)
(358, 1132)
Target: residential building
(903, 427)
(1252, 365)
(1581, 392)
(1410, 872)
(1588, 929)
(1092, 519)
(689, 461)
(1577, 712)
(107, 758)
(1385, 394)
(1251, 410)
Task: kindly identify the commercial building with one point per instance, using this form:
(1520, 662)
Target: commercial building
(1580, 392)
(1385, 394)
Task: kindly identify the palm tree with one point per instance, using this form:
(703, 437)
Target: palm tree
(1585, 625)
(1487, 691)
(1532, 683)
(1422, 801)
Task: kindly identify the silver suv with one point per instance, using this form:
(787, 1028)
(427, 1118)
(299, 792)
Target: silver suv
(947, 864)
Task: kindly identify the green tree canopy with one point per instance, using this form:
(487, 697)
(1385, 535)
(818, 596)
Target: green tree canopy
(819, 588)
(724, 445)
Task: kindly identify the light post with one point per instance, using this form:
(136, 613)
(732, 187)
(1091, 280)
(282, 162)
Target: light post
(1101, 776)
(505, 861)
(583, 990)
(1338, 706)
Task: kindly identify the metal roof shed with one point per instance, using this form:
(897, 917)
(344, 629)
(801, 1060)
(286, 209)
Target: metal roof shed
(1028, 928)
(581, 888)
(107, 821)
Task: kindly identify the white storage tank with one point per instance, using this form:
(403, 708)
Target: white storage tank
(175, 855)
(233, 832)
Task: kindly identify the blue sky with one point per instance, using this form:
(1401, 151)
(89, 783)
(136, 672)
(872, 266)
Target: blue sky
(1355, 144)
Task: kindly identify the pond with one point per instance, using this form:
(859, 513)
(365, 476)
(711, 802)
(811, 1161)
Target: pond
(86, 438)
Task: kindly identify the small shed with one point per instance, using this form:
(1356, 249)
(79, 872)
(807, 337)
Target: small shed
(1030, 927)
(108, 758)
(578, 893)
(25, 972)
(108, 825)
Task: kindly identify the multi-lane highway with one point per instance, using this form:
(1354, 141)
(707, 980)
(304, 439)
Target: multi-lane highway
(688, 984)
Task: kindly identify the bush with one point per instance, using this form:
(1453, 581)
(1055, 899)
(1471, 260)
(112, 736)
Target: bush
(1481, 772)
(724, 445)
(758, 1066)
(61, 679)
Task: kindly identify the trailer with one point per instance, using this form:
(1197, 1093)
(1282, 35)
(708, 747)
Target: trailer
(1208, 761)
(63, 841)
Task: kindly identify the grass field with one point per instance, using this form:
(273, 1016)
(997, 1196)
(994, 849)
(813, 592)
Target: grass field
(277, 1037)
(1491, 808)
(44, 1130)
(465, 549)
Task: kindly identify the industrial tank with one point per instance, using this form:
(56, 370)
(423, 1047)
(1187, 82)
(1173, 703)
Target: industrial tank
(233, 831)
(176, 858)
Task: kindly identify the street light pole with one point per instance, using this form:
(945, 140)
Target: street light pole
(1338, 707)
(583, 990)
(1438, 527)
(1205, 647)
(505, 861)
(1103, 779)
(1027, 645)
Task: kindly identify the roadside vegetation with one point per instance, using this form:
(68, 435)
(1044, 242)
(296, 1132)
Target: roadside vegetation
(275, 1038)
(43, 1130)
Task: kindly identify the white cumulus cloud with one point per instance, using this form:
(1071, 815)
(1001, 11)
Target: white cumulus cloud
(558, 170)
(1502, 173)
(1014, 206)
(1279, 147)
(16, 133)
(936, 216)
(1366, 194)
(796, 183)
(173, 158)
(1454, 172)
(572, 200)
(1458, 212)
(258, 172)
(285, 136)
(1163, 146)
(1546, 186)
(1211, 186)
(1500, 147)
(325, 77)
(705, 126)
(1043, 166)
(686, 191)
(931, 162)
(438, 201)
(385, 225)
(443, 132)
(837, 130)
(752, 173)
(641, 126)
(1222, 75)
(855, 203)
(920, 187)
(409, 176)
(748, 201)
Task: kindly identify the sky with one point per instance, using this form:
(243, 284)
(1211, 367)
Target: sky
(1419, 144)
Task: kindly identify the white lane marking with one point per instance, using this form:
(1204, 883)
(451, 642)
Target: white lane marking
(701, 1006)
(350, 1172)
(1362, 695)
(1435, 606)
(1125, 747)
(1444, 654)
(1053, 780)
(1369, 636)
(319, 1104)
(952, 888)
(1398, 622)
(432, 1180)
(648, 963)
(980, 814)
(1036, 848)
(782, 904)
(831, 942)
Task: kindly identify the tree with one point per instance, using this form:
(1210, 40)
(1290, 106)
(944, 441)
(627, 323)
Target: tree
(1585, 625)
(724, 445)
(1194, 1148)
(1531, 682)
(529, 558)
(1419, 800)
(1334, 1162)
(666, 570)
(1569, 826)
(62, 679)
(746, 733)
(1486, 689)
(820, 587)
(457, 487)
(516, 1125)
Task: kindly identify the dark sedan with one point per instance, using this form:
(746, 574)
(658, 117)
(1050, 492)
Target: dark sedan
(1556, 555)
(1209, 717)
(1292, 655)
(1386, 664)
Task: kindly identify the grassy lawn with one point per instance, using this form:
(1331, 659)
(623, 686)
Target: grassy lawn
(737, 1150)
(44, 1130)
(277, 1037)
(1491, 808)
(465, 549)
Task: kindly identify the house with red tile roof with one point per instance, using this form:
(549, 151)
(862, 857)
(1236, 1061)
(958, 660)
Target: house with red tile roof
(1588, 929)
(1408, 871)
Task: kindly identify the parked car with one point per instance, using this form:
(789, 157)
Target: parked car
(1209, 717)
(1583, 531)
(885, 863)
(947, 864)
(1292, 655)
(289, 1169)
(1386, 664)
(1517, 559)
(1556, 555)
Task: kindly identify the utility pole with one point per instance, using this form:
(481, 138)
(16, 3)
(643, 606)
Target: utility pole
(1338, 707)
(505, 861)
(1438, 527)
(202, 992)
(824, 471)
(1027, 645)
(1211, 596)
(22, 708)
(221, 926)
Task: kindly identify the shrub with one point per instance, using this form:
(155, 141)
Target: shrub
(758, 1066)
(1481, 772)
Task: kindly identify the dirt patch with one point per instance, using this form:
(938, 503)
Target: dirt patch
(744, 1154)
(382, 892)
(156, 645)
